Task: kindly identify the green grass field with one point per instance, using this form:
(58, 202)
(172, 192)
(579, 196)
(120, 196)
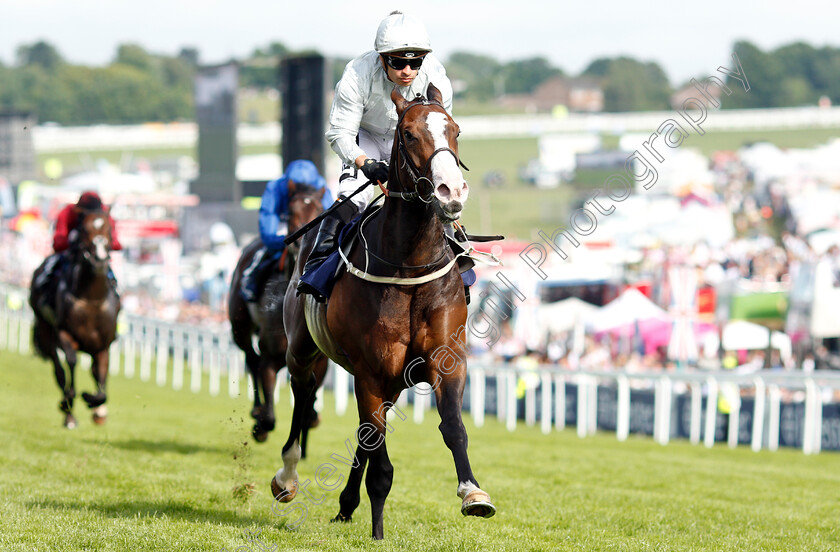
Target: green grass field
(171, 471)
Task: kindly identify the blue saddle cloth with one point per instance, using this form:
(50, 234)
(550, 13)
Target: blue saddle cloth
(323, 276)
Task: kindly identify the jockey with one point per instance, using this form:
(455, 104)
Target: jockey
(68, 218)
(363, 118)
(63, 237)
(273, 222)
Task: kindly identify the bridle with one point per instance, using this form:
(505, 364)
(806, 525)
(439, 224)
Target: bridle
(417, 175)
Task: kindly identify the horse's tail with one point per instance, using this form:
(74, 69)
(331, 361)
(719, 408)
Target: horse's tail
(40, 328)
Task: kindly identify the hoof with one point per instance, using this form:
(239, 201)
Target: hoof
(342, 518)
(259, 435)
(100, 415)
(477, 503)
(315, 422)
(283, 495)
(70, 422)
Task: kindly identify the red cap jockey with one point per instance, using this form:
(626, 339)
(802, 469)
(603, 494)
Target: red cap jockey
(69, 217)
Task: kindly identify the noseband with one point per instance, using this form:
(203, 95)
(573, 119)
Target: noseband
(417, 175)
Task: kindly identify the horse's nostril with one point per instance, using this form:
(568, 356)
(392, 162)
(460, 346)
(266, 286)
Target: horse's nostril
(443, 191)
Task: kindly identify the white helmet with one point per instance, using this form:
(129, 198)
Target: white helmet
(399, 32)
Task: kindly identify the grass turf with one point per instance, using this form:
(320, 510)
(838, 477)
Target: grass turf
(172, 470)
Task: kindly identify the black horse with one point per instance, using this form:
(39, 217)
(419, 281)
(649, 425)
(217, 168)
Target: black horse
(265, 318)
(83, 317)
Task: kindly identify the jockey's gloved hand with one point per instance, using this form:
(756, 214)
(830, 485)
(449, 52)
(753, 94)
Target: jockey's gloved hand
(375, 171)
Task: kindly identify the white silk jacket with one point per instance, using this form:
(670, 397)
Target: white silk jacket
(363, 100)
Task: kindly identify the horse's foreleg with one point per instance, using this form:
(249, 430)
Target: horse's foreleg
(350, 497)
(475, 502)
(284, 485)
(100, 375)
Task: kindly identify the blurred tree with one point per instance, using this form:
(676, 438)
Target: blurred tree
(41, 54)
(525, 75)
(190, 56)
(630, 85)
(765, 73)
(135, 56)
(480, 76)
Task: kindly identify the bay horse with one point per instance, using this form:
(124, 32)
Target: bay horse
(398, 321)
(264, 319)
(86, 309)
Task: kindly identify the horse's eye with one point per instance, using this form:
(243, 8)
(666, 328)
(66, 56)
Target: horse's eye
(408, 136)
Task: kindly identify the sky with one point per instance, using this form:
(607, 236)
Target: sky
(686, 38)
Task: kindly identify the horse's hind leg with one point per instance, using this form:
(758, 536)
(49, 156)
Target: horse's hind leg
(311, 418)
(100, 375)
(284, 485)
(475, 502)
(264, 413)
(67, 389)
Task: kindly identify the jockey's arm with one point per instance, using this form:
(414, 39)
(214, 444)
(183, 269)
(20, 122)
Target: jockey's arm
(63, 224)
(274, 203)
(115, 242)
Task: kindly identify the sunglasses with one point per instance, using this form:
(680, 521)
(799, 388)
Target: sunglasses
(399, 63)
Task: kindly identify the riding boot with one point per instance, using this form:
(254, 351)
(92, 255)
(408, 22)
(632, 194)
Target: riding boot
(326, 243)
(248, 286)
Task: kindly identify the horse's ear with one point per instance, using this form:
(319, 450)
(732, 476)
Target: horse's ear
(321, 193)
(434, 94)
(398, 100)
(291, 187)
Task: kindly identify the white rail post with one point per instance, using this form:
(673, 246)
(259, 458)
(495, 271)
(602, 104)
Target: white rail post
(178, 339)
(510, 395)
(774, 422)
(811, 436)
(501, 395)
(195, 362)
(342, 388)
(758, 413)
(215, 352)
(696, 412)
(622, 413)
(582, 410)
(545, 402)
(161, 354)
(25, 331)
(662, 410)
(129, 347)
(234, 363)
(114, 357)
(560, 402)
(711, 412)
(530, 406)
(734, 427)
(477, 388)
(145, 344)
(592, 407)
(420, 403)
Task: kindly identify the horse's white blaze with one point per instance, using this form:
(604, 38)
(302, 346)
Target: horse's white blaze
(445, 171)
(98, 223)
(288, 472)
(465, 488)
(101, 245)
